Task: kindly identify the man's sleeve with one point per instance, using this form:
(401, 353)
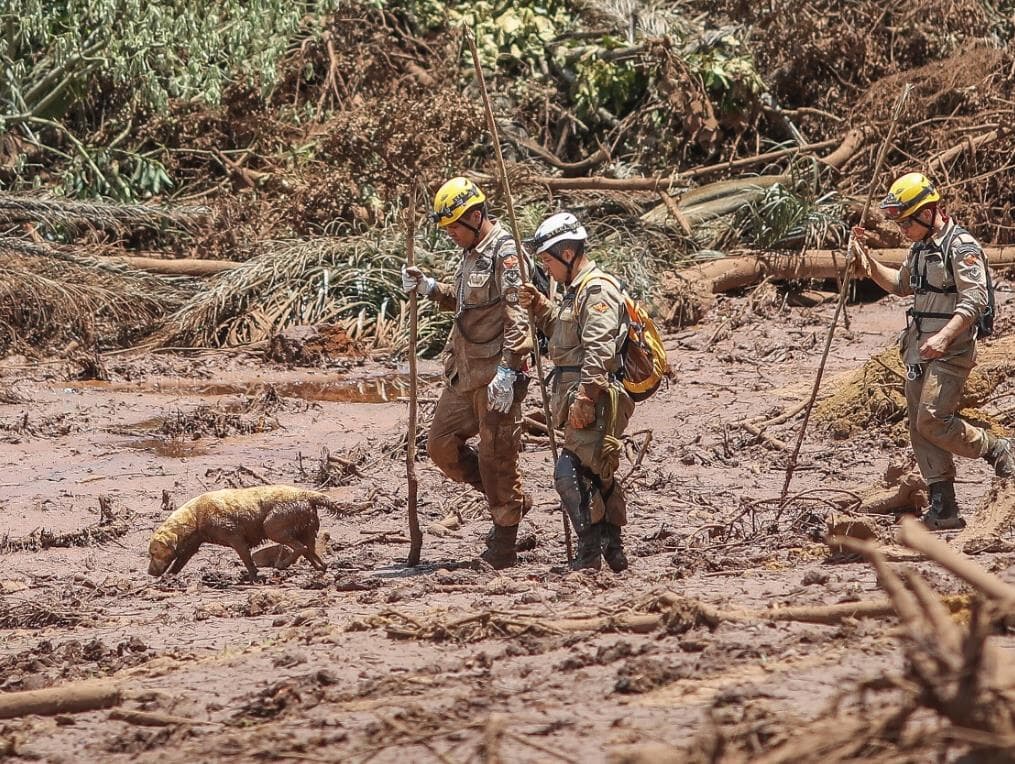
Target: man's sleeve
(517, 339)
(445, 295)
(969, 269)
(600, 325)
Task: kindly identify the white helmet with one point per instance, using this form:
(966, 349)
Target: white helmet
(560, 227)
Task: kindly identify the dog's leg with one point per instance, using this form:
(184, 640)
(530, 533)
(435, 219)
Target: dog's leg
(182, 558)
(279, 529)
(243, 551)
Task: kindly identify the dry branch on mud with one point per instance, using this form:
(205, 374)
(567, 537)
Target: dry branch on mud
(669, 611)
(957, 672)
(111, 525)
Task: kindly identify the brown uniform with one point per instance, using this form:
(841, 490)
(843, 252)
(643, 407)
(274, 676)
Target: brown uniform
(490, 329)
(946, 276)
(587, 330)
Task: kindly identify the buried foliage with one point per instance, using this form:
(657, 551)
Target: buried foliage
(49, 296)
(872, 396)
(353, 282)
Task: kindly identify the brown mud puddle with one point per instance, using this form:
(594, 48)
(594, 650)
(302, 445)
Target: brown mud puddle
(374, 389)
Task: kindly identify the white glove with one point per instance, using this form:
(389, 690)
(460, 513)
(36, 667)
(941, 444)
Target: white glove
(413, 279)
(501, 390)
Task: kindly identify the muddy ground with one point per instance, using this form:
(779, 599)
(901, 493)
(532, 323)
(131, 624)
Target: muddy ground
(361, 662)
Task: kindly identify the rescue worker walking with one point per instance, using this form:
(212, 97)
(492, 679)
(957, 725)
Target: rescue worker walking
(484, 362)
(946, 272)
(587, 329)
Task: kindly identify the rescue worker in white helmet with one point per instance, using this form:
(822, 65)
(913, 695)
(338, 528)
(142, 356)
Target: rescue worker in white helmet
(587, 329)
(948, 276)
(485, 359)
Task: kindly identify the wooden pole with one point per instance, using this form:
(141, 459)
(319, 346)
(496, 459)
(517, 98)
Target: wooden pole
(415, 534)
(523, 265)
(847, 269)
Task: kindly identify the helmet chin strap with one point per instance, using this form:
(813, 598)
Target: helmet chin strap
(568, 266)
(473, 229)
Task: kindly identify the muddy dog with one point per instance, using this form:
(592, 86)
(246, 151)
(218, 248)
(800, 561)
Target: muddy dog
(240, 518)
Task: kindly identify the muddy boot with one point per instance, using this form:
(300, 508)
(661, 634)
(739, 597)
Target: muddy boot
(613, 547)
(943, 513)
(589, 553)
(1001, 456)
(500, 547)
(576, 495)
(527, 542)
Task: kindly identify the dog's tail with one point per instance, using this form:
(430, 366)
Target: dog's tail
(321, 501)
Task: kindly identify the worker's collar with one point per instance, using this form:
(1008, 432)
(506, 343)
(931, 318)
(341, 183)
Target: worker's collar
(577, 278)
(940, 237)
(495, 234)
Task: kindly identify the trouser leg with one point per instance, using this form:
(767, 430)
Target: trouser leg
(937, 419)
(500, 439)
(454, 422)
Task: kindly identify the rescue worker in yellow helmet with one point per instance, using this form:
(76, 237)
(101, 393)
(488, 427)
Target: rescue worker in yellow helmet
(485, 360)
(587, 329)
(946, 272)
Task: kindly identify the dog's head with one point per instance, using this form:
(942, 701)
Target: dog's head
(161, 556)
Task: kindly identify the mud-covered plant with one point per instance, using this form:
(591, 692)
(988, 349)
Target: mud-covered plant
(57, 57)
(727, 69)
(51, 296)
(792, 216)
(511, 34)
(351, 281)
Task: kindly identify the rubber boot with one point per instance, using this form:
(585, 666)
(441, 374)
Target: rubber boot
(613, 547)
(576, 495)
(1001, 456)
(589, 554)
(500, 547)
(526, 506)
(943, 513)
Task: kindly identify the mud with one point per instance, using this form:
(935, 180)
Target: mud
(345, 665)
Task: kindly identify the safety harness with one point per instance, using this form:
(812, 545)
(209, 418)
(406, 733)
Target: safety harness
(921, 285)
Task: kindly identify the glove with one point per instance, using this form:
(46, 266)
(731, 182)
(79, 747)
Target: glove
(582, 412)
(413, 279)
(501, 390)
(528, 296)
(861, 260)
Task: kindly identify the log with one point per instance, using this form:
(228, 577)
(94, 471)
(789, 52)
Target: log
(846, 148)
(915, 536)
(729, 273)
(180, 267)
(65, 699)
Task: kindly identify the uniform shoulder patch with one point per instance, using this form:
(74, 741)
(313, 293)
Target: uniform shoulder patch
(970, 259)
(511, 261)
(600, 307)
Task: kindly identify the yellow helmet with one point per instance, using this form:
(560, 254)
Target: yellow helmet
(454, 199)
(908, 195)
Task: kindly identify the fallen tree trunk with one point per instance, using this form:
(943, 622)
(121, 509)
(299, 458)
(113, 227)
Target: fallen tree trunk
(722, 275)
(65, 699)
(845, 149)
(180, 267)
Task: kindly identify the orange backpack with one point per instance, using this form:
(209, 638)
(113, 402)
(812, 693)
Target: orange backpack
(642, 354)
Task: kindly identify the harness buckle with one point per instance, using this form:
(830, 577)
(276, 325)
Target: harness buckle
(914, 371)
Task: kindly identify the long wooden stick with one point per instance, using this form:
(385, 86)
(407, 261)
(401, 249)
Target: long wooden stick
(847, 269)
(415, 534)
(523, 265)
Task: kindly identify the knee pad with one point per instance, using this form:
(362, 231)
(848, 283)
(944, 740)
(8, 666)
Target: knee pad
(574, 489)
